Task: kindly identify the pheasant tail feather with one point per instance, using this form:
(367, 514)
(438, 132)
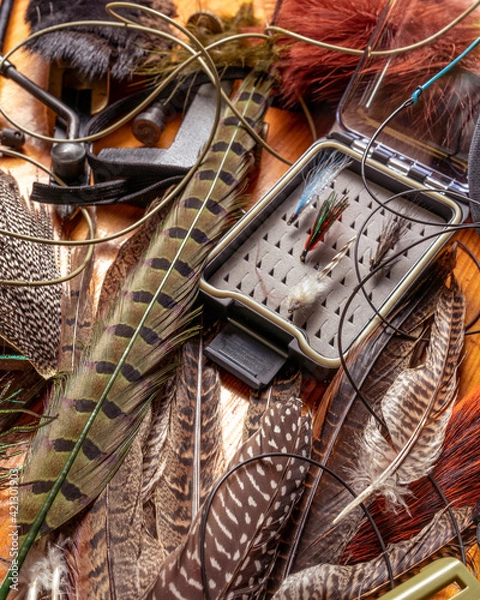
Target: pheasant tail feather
(99, 409)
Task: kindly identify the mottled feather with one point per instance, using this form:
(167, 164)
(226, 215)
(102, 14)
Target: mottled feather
(416, 410)
(286, 385)
(177, 492)
(117, 556)
(339, 582)
(372, 367)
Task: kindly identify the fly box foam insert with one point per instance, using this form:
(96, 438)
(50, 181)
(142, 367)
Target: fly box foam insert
(257, 264)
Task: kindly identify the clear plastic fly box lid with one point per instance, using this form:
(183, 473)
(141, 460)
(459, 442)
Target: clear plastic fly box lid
(340, 239)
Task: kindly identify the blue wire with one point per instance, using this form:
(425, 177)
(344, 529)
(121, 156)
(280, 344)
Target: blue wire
(421, 88)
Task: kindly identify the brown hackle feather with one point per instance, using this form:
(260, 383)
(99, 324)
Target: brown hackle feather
(456, 474)
(416, 410)
(29, 316)
(246, 514)
(318, 74)
(116, 555)
(127, 361)
(373, 366)
(370, 579)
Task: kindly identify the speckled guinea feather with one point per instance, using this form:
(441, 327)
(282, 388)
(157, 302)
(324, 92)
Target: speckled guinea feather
(245, 516)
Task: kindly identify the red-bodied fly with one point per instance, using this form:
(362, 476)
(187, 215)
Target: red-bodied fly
(329, 212)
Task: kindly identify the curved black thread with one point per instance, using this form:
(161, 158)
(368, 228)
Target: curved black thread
(311, 461)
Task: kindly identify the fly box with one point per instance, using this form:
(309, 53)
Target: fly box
(413, 178)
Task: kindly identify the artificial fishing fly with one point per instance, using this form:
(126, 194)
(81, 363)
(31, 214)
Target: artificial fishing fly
(329, 212)
(393, 230)
(311, 287)
(319, 179)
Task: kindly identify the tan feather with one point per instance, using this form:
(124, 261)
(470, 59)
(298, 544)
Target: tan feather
(191, 457)
(369, 371)
(116, 554)
(416, 410)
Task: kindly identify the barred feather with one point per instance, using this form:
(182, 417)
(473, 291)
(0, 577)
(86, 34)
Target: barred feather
(116, 554)
(29, 316)
(456, 474)
(416, 410)
(181, 487)
(99, 409)
(373, 367)
(246, 515)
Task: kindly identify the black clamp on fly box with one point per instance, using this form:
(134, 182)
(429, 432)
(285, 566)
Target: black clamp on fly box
(415, 173)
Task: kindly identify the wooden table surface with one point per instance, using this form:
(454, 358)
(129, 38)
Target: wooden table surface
(288, 133)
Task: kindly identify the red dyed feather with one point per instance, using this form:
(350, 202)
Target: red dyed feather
(317, 74)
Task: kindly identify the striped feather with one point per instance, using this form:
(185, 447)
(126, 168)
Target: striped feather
(29, 316)
(116, 554)
(187, 465)
(416, 410)
(99, 409)
(373, 367)
(456, 474)
(246, 515)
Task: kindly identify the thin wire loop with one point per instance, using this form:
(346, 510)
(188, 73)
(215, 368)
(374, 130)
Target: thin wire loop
(46, 241)
(212, 73)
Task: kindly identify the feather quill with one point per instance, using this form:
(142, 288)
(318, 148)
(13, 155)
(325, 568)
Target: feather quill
(99, 408)
(339, 582)
(191, 457)
(246, 514)
(416, 410)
